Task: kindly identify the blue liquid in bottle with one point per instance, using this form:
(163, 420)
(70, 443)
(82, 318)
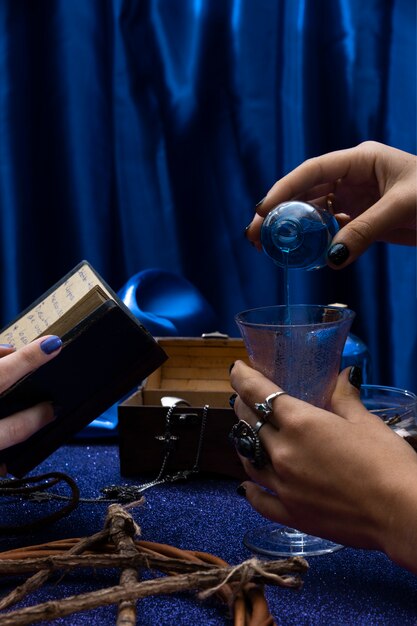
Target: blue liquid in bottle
(297, 235)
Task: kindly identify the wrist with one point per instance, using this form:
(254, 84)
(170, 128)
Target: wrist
(399, 537)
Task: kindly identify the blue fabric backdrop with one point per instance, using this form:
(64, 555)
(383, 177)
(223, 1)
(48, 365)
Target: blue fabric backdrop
(141, 133)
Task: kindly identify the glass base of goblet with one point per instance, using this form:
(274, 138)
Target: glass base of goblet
(276, 540)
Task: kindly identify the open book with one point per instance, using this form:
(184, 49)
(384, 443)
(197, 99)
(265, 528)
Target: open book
(106, 353)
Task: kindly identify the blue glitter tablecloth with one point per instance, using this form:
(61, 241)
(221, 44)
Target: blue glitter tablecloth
(348, 587)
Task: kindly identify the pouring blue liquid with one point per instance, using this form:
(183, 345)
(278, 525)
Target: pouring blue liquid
(297, 235)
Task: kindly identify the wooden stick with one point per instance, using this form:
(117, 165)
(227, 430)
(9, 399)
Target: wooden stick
(38, 579)
(68, 561)
(264, 572)
(122, 529)
(150, 561)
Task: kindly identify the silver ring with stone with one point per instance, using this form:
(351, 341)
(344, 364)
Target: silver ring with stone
(247, 443)
(265, 407)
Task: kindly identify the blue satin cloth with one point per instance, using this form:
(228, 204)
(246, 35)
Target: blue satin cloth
(349, 587)
(140, 134)
(168, 305)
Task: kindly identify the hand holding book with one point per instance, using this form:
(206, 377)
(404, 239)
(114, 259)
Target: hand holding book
(105, 353)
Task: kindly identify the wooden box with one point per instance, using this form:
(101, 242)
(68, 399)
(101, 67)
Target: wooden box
(196, 371)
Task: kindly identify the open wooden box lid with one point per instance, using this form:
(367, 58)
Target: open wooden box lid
(197, 370)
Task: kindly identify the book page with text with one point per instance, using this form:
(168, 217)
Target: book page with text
(68, 295)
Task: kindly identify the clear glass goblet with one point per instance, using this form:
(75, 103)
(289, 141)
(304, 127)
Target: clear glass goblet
(298, 347)
(396, 407)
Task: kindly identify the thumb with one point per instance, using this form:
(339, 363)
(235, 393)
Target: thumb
(377, 223)
(350, 242)
(21, 362)
(346, 400)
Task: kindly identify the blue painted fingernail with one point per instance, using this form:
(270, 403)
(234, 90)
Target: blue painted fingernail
(6, 345)
(232, 400)
(51, 344)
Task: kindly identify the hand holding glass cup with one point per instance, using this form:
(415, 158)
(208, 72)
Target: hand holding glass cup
(299, 348)
(296, 359)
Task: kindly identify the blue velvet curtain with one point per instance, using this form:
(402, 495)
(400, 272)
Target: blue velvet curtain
(140, 134)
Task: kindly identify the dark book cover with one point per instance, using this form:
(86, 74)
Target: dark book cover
(105, 354)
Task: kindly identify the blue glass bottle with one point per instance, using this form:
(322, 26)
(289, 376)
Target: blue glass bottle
(297, 235)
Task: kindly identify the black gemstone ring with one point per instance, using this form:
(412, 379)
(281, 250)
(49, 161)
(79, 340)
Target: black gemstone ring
(247, 443)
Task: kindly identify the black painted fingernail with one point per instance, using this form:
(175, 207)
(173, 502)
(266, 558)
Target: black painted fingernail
(252, 243)
(338, 253)
(355, 376)
(241, 491)
(51, 344)
(232, 400)
(258, 204)
(231, 366)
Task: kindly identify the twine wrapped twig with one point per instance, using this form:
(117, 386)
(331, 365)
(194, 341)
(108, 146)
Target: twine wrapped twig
(240, 586)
